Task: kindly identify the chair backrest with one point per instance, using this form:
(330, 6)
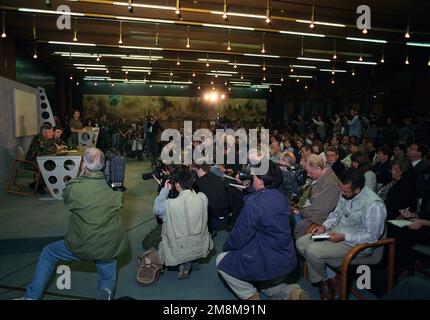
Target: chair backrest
(20, 154)
(376, 255)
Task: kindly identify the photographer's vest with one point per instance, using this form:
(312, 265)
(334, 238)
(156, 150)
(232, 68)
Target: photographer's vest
(353, 219)
(184, 235)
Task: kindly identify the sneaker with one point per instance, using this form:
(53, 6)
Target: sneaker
(183, 273)
(104, 294)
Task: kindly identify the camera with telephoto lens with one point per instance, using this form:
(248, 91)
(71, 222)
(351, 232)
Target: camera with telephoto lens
(161, 172)
(245, 174)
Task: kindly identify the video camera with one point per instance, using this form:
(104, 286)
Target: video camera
(115, 170)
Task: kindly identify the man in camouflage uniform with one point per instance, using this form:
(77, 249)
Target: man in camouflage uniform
(75, 127)
(42, 144)
(60, 144)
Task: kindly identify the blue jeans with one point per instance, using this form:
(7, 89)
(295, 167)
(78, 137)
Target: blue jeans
(58, 251)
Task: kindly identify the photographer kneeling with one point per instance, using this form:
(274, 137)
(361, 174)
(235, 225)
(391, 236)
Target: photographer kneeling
(184, 235)
(95, 231)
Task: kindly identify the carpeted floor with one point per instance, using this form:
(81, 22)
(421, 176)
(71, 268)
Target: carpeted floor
(28, 224)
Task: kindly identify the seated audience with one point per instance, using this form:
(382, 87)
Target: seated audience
(400, 193)
(305, 152)
(353, 148)
(359, 217)
(416, 154)
(407, 237)
(259, 251)
(382, 166)
(291, 175)
(333, 160)
(319, 197)
(399, 151)
(275, 151)
(185, 237)
(360, 161)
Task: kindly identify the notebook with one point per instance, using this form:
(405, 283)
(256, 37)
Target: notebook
(400, 223)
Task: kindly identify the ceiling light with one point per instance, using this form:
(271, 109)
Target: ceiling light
(73, 43)
(302, 66)
(407, 60)
(224, 15)
(130, 6)
(263, 48)
(3, 35)
(353, 72)
(140, 48)
(318, 35)
(313, 59)
(245, 64)
(71, 77)
(428, 63)
(282, 78)
(334, 51)
(51, 12)
(211, 25)
(261, 55)
(333, 70)
(75, 32)
(194, 74)
(312, 25)
(301, 77)
(362, 62)
(229, 41)
(188, 39)
(213, 60)
(120, 33)
(171, 72)
(306, 87)
(366, 40)
(241, 76)
(178, 7)
(268, 12)
(237, 14)
(322, 23)
(418, 44)
(365, 30)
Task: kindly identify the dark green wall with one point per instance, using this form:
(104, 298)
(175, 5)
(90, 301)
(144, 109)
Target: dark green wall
(34, 73)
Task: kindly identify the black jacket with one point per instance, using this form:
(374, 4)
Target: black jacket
(402, 195)
(383, 172)
(338, 168)
(214, 188)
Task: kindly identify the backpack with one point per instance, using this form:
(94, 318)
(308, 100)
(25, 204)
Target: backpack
(149, 268)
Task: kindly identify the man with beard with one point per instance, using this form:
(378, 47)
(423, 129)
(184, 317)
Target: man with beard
(359, 217)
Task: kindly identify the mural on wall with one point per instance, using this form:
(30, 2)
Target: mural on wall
(173, 108)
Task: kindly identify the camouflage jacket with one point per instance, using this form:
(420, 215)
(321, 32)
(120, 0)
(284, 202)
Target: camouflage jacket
(40, 146)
